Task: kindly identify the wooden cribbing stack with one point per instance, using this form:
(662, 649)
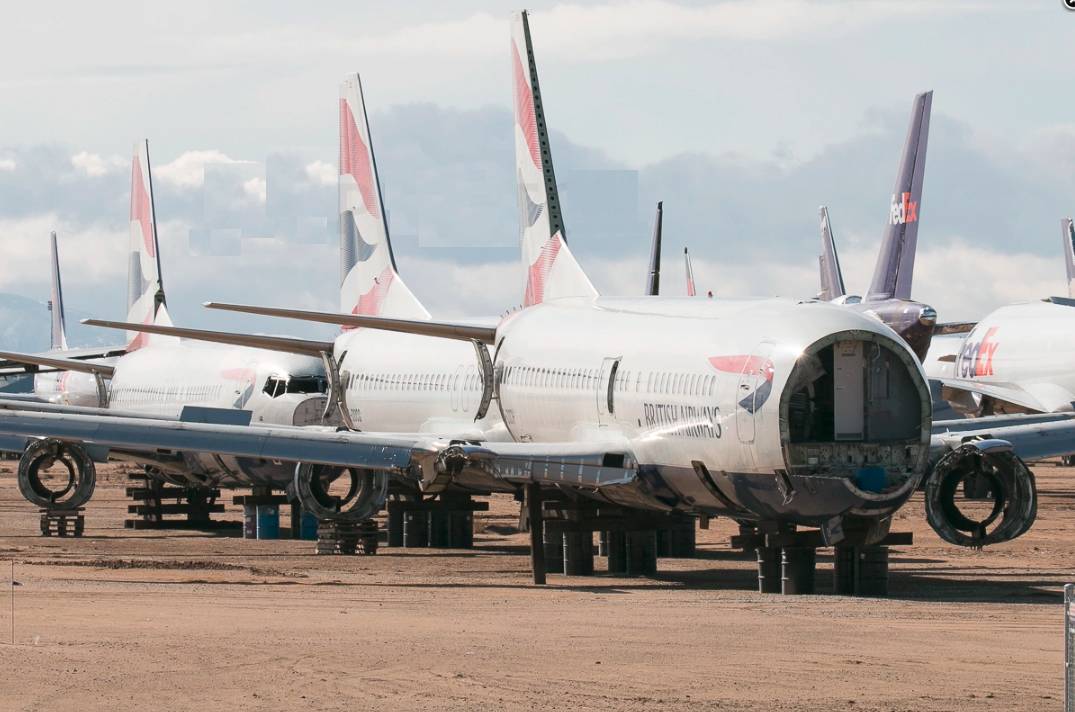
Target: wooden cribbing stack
(159, 504)
(346, 538)
(63, 522)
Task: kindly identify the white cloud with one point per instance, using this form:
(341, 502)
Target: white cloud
(99, 252)
(321, 173)
(7, 164)
(188, 170)
(94, 165)
(255, 188)
(638, 27)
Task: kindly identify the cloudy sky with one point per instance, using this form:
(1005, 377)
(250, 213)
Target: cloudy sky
(743, 116)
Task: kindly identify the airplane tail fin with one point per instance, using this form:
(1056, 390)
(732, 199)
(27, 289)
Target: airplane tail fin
(653, 284)
(551, 270)
(145, 290)
(1068, 229)
(690, 273)
(369, 282)
(832, 278)
(895, 263)
(59, 328)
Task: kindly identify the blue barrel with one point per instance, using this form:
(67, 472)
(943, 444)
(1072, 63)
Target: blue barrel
(268, 521)
(308, 527)
(250, 521)
(871, 478)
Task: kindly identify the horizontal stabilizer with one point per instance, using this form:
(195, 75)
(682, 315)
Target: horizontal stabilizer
(255, 341)
(62, 364)
(441, 329)
(954, 327)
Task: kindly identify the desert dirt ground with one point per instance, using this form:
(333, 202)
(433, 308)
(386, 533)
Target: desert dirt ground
(180, 620)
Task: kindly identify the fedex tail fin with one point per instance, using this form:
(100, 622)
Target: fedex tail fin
(551, 269)
(145, 291)
(1068, 228)
(59, 329)
(369, 283)
(832, 278)
(653, 283)
(690, 272)
(895, 263)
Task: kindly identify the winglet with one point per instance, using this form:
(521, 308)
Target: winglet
(1068, 228)
(369, 282)
(895, 263)
(653, 283)
(59, 329)
(832, 278)
(551, 270)
(690, 272)
(145, 290)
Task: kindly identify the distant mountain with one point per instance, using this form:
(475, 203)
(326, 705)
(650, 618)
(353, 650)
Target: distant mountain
(24, 326)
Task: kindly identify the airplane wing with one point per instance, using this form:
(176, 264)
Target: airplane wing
(430, 461)
(35, 361)
(1043, 402)
(11, 366)
(1033, 437)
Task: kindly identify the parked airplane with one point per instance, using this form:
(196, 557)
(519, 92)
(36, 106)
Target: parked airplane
(686, 418)
(157, 376)
(779, 411)
(1018, 359)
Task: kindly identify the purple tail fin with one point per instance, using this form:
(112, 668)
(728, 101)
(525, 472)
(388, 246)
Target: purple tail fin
(1068, 229)
(895, 263)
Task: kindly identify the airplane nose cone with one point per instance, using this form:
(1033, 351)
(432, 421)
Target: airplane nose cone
(928, 316)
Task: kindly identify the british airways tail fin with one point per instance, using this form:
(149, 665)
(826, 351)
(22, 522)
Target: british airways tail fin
(690, 273)
(145, 290)
(59, 329)
(895, 263)
(369, 282)
(1068, 228)
(653, 283)
(832, 278)
(551, 270)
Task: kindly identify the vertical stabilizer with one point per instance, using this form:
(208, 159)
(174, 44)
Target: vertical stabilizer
(551, 270)
(690, 272)
(369, 283)
(895, 263)
(832, 278)
(145, 291)
(1068, 228)
(653, 283)
(59, 328)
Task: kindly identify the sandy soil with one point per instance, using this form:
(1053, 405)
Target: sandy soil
(182, 621)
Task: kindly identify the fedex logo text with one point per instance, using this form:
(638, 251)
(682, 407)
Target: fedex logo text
(976, 359)
(903, 210)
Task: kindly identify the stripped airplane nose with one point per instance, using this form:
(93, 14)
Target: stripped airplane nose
(854, 430)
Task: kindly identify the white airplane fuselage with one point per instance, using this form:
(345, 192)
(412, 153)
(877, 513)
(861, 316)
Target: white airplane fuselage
(160, 380)
(1025, 350)
(697, 390)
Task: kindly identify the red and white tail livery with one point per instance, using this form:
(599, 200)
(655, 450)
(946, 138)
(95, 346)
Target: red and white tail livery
(551, 269)
(369, 283)
(145, 291)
